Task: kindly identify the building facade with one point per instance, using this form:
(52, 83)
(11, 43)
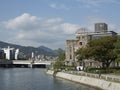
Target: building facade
(82, 37)
(2, 54)
(11, 53)
(16, 54)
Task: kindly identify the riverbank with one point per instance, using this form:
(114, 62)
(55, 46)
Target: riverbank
(100, 83)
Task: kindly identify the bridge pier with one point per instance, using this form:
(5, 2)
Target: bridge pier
(30, 65)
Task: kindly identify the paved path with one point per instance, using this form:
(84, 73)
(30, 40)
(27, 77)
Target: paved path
(102, 76)
(110, 75)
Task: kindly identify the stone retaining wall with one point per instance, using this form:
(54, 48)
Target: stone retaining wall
(106, 85)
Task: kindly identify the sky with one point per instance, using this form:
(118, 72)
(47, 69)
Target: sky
(51, 22)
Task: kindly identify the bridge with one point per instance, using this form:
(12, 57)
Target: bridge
(25, 63)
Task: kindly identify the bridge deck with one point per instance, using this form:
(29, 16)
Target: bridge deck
(31, 62)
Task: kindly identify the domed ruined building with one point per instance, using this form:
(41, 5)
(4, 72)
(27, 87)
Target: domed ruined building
(82, 37)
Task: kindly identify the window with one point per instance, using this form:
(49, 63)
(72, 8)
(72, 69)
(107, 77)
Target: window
(70, 56)
(80, 43)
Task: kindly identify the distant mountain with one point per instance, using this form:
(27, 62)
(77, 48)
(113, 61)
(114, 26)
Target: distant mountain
(46, 48)
(27, 50)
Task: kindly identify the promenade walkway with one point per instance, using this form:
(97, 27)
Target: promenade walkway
(108, 77)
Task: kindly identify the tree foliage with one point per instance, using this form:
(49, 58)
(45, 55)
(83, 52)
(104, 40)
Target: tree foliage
(101, 49)
(61, 54)
(82, 53)
(58, 65)
(117, 49)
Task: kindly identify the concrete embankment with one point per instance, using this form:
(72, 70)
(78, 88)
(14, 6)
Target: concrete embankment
(100, 83)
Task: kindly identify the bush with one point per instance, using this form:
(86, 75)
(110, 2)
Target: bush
(58, 65)
(91, 70)
(102, 71)
(69, 68)
(116, 70)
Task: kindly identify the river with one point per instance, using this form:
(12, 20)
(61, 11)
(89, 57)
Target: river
(35, 79)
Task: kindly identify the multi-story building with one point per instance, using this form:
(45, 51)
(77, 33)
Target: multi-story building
(2, 54)
(82, 37)
(16, 54)
(11, 53)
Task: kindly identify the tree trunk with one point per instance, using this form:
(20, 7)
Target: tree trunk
(103, 65)
(107, 65)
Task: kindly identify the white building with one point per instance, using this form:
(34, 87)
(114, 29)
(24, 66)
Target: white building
(11, 53)
(32, 55)
(16, 54)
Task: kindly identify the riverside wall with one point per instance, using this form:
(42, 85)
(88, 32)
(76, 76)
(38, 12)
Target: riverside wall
(100, 83)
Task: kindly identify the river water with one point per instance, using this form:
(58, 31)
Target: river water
(35, 79)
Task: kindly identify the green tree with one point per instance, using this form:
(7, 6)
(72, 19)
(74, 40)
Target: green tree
(61, 54)
(82, 53)
(101, 49)
(58, 65)
(117, 49)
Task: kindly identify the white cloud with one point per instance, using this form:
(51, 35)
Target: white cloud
(56, 20)
(69, 28)
(59, 6)
(115, 1)
(91, 2)
(21, 22)
(34, 31)
(53, 5)
(31, 30)
(97, 3)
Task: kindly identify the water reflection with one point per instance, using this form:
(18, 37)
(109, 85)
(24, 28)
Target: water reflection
(35, 79)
